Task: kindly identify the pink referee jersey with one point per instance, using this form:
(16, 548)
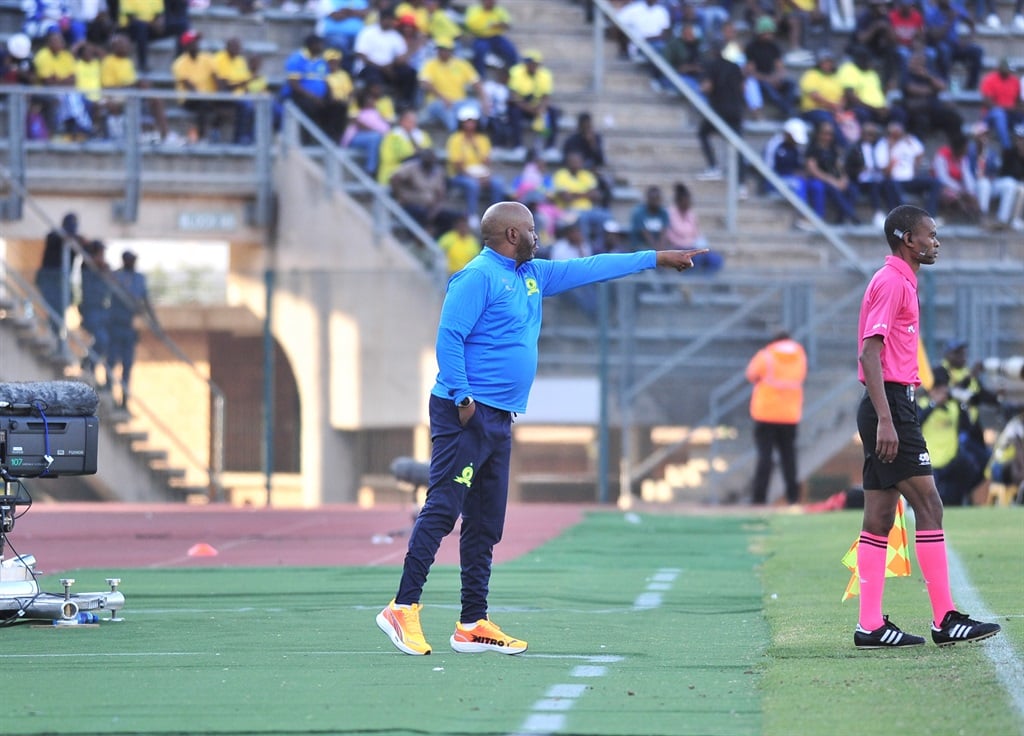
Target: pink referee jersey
(890, 309)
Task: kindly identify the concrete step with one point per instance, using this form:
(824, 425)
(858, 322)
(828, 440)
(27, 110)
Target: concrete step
(285, 30)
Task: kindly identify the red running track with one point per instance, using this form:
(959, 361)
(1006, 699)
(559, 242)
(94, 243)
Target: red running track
(103, 535)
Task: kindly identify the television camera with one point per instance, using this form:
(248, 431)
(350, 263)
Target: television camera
(47, 430)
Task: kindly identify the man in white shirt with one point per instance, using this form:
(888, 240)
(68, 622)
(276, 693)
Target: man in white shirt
(382, 58)
(648, 19)
(899, 155)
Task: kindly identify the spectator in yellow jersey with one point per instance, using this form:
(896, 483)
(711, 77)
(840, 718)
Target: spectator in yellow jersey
(821, 93)
(460, 244)
(194, 74)
(440, 25)
(339, 96)
(55, 67)
(863, 93)
(530, 86)
(469, 164)
(144, 20)
(576, 190)
(445, 81)
(117, 71)
(404, 141)
(232, 74)
(88, 83)
(258, 84)
(487, 23)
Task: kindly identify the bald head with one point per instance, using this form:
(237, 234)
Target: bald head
(508, 229)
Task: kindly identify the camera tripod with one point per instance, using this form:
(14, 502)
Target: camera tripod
(20, 596)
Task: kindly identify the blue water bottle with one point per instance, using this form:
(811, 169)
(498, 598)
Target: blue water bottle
(86, 617)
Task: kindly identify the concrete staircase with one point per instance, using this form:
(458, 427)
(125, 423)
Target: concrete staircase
(132, 466)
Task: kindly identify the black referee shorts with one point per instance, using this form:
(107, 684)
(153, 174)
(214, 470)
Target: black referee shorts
(912, 458)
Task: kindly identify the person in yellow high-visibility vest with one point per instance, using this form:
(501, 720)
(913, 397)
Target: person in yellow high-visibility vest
(777, 371)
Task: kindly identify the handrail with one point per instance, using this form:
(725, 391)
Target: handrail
(339, 165)
(132, 176)
(732, 386)
(736, 143)
(216, 466)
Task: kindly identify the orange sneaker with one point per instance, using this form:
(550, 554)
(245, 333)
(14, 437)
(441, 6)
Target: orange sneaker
(402, 625)
(484, 636)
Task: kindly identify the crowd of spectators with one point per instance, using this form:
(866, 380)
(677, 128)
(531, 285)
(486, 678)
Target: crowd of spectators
(840, 76)
(377, 75)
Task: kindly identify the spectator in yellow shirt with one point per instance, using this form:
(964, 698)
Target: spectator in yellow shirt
(89, 85)
(530, 86)
(117, 71)
(862, 88)
(404, 141)
(231, 73)
(488, 23)
(144, 20)
(440, 25)
(469, 164)
(821, 93)
(55, 67)
(339, 95)
(576, 190)
(459, 244)
(194, 74)
(445, 81)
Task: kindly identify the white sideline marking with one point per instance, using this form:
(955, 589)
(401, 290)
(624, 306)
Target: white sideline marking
(1009, 667)
(646, 601)
(548, 714)
(566, 691)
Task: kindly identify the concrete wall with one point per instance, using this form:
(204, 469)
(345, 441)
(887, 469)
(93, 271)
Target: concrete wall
(339, 303)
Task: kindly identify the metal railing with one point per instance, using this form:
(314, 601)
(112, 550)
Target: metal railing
(132, 150)
(735, 145)
(343, 173)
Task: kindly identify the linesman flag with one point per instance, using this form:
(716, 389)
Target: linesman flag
(897, 554)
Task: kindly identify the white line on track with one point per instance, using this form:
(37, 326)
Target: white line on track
(548, 714)
(1009, 667)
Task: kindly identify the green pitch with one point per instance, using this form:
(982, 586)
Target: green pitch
(637, 625)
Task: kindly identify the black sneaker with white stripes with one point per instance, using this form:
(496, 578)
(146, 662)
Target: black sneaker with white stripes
(957, 627)
(885, 636)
